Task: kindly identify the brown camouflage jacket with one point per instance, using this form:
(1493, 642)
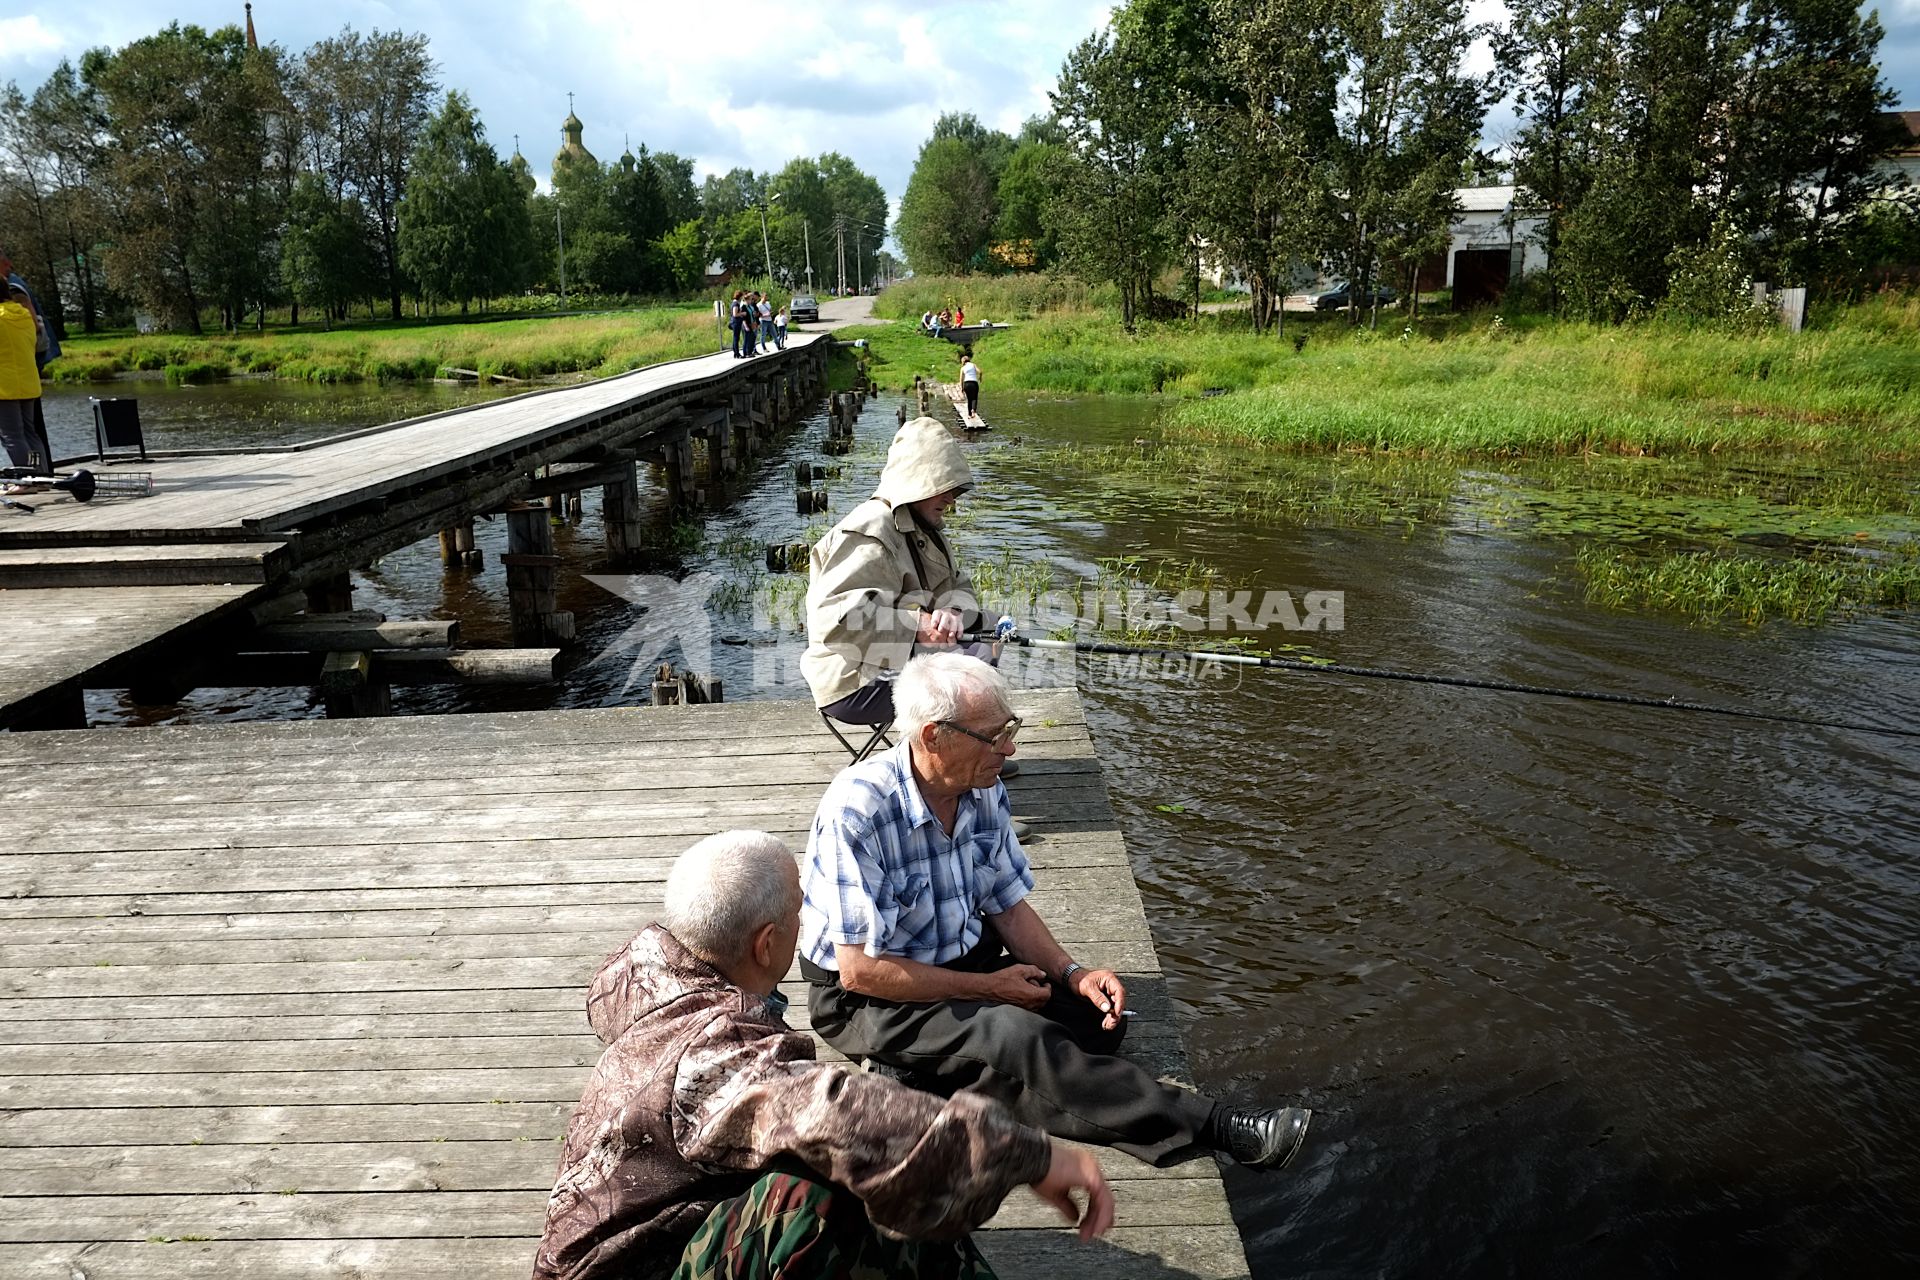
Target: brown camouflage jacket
(702, 1085)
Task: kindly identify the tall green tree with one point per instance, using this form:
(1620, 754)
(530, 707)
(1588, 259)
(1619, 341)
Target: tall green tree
(1263, 133)
(677, 186)
(365, 100)
(462, 226)
(1662, 124)
(1108, 214)
(323, 249)
(184, 112)
(1408, 118)
(1562, 58)
(68, 125)
(947, 210)
(1813, 119)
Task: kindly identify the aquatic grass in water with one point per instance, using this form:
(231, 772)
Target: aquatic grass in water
(1576, 389)
(1719, 584)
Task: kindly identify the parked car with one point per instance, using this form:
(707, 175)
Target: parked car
(1337, 298)
(804, 309)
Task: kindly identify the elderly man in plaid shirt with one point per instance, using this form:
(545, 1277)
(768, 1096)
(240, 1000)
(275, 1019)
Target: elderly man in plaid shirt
(924, 957)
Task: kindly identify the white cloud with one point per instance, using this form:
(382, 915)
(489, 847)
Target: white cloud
(29, 40)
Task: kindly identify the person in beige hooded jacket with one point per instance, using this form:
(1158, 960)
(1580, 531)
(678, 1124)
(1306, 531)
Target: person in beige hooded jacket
(885, 579)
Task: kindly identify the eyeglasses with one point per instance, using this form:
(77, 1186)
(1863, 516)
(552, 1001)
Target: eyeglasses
(1004, 738)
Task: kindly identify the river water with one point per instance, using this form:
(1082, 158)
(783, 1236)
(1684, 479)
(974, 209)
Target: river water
(1574, 989)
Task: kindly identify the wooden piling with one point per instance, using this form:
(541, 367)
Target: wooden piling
(620, 510)
(332, 594)
(470, 556)
(532, 571)
(348, 688)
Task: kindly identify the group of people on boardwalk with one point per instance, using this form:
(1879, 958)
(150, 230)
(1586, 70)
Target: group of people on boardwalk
(756, 325)
(709, 1141)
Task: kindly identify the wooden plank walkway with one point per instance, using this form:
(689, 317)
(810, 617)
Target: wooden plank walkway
(221, 495)
(223, 529)
(307, 999)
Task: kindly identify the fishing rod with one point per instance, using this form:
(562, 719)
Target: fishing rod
(1007, 633)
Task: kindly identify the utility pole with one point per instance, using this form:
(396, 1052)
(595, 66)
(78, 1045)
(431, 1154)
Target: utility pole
(561, 232)
(840, 252)
(806, 237)
(766, 245)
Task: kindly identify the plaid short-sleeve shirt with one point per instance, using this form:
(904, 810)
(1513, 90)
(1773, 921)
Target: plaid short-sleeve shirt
(881, 874)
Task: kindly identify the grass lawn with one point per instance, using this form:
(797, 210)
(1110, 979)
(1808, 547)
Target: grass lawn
(528, 347)
(1476, 385)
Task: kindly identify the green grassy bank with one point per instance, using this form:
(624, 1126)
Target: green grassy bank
(599, 345)
(1476, 385)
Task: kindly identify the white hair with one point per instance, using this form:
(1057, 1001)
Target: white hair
(936, 686)
(722, 890)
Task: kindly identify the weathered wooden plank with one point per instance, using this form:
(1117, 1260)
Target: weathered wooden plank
(738, 722)
(523, 887)
(1126, 1253)
(1131, 959)
(1081, 913)
(78, 630)
(293, 1212)
(314, 1125)
(211, 878)
(781, 778)
(142, 565)
(322, 775)
(513, 818)
(645, 857)
(522, 1163)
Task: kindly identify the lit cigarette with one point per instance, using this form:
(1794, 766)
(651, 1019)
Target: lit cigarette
(1127, 1013)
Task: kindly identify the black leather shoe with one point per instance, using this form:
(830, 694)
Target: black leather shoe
(1264, 1139)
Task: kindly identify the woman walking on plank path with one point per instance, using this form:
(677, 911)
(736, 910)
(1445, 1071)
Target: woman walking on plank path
(970, 384)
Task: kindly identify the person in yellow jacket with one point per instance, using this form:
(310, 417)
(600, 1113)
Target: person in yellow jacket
(19, 382)
(885, 580)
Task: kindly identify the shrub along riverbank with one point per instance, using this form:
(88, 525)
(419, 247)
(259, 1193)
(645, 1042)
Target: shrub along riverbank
(1473, 385)
(599, 345)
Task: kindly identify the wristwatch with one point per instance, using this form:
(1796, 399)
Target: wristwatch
(1066, 974)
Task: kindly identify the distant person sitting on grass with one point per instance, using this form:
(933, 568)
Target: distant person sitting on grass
(710, 1143)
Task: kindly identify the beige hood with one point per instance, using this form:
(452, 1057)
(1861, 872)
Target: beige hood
(924, 459)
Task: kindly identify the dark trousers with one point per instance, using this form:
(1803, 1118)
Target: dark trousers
(973, 397)
(872, 702)
(736, 338)
(40, 433)
(1054, 1068)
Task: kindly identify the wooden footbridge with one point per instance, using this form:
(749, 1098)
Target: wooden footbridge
(119, 591)
(303, 1000)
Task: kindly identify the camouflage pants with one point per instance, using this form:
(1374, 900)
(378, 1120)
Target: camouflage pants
(789, 1227)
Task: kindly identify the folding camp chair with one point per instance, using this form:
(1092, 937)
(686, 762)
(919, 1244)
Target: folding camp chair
(875, 741)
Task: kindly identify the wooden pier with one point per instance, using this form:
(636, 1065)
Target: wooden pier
(307, 999)
(124, 587)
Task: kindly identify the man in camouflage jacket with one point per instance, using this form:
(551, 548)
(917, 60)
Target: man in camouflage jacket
(703, 1087)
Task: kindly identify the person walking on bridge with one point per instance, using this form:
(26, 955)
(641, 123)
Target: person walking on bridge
(970, 385)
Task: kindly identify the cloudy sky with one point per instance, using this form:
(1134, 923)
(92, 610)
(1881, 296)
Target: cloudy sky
(727, 82)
